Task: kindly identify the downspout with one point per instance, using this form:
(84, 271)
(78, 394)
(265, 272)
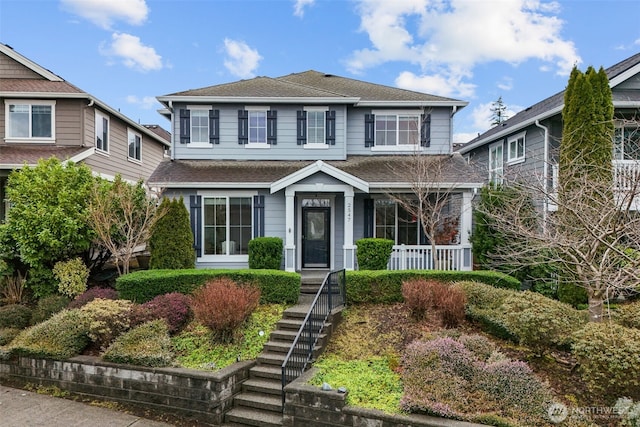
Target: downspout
(545, 169)
(173, 132)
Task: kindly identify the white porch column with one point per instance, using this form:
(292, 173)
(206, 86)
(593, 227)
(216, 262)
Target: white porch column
(348, 247)
(289, 243)
(466, 226)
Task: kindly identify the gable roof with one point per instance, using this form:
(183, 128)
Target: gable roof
(310, 87)
(553, 105)
(15, 157)
(52, 86)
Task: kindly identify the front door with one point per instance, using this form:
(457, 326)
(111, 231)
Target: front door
(315, 237)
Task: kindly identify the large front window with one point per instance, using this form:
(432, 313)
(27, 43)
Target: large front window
(393, 222)
(227, 225)
(30, 120)
(394, 130)
(627, 143)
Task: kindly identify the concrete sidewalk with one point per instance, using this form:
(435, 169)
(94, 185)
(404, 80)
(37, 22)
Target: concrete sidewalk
(21, 408)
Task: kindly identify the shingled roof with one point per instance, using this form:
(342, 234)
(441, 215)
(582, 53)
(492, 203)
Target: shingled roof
(553, 105)
(15, 156)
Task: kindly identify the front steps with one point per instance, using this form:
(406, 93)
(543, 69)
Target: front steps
(260, 402)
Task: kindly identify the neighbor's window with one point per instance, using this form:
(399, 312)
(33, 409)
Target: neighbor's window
(257, 127)
(135, 145)
(516, 148)
(393, 130)
(30, 119)
(627, 143)
(102, 132)
(496, 166)
(227, 225)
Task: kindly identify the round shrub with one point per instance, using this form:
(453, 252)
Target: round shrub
(373, 253)
(107, 319)
(72, 276)
(628, 315)
(174, 308)
(62, 336)
(265, 253)
(48, 306)
(15, 316)
(608, 361)
(91, 294)
(479, 345)
(146, 345)
(223, 306)
(540, 322)
(8, 334)
(171, 241)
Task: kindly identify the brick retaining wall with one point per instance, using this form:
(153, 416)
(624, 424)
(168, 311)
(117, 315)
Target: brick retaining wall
(183, 392)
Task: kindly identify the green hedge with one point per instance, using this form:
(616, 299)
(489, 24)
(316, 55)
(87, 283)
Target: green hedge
(265, 253)
(385, 286)
(276, 286)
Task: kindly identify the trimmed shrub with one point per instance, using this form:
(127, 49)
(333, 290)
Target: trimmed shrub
(145, 345)
(91, 294)
(171, 241)
(572, 294)
(628, 315)
(540, 322)
(373, 253)
(107, 319)
(48, 306)
(223, 306)
(8, 334)
(421, 295)
(276, 286)
(62, 336)
(607, 355)
(483, 306)
(265, 253)
(174, 308)
(72, 276)
(15, 316)
(385, 286)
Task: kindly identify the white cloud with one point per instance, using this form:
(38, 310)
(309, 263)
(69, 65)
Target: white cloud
(104, 12)
(241, 60)
(133, 53)
(146, 102)
(299, 5)
(446, 39)
(448, 85)
(506, 84)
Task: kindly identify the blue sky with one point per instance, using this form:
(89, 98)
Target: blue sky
(127, 52)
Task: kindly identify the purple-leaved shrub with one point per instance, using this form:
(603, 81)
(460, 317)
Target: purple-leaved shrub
(173, 307)
(91, 294)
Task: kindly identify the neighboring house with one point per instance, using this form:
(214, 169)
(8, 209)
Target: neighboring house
(528, 143)
(42, 115)
(310, 158)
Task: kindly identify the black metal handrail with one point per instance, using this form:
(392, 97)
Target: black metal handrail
(331, 295)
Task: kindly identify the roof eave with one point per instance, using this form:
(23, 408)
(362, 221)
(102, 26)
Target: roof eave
(424, 103)
(208, 184)
(258, 99)
(441, 185)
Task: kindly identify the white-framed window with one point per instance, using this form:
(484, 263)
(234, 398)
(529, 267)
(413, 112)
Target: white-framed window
(393, 222)
(102, 132)
(257, 126)
(627, 142)
(496, 164)
(515, 150)
(228, 225)
(30, 120)
(135, 145)
(397, 130)
(316, 126)
(199, 126)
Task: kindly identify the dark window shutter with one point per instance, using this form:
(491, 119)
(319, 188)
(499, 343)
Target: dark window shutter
(272, 127)
(195, 210)
(214, 126)
(302, 127)
(243, 126)
(330, 132)
(369, 129)
(258, 216)
(369, 207)
(185, 126)
(425, 131)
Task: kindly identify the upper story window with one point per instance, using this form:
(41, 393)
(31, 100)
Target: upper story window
(102, 132)
(135, 145)
(627, 142)
(496, 164)
(316, 127)
(515, 151)
(257, 127)
(397, 130)
(199, 126)
(30, 120)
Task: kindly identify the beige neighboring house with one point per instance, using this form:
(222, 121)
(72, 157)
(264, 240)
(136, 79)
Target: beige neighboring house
(42, 115)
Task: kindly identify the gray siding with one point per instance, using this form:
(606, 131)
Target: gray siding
(631, 83)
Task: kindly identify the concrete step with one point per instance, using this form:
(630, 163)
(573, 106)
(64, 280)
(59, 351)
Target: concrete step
(269, 358)
(253, 417)
(262, 385)
(270, 372)
(298, 311)
(265, 402)
(289, 324)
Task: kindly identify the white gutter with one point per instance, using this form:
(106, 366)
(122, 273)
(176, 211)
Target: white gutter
(253, 99)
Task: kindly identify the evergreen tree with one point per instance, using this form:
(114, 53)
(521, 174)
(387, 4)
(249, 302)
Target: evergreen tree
(171, 242)
(498, 112)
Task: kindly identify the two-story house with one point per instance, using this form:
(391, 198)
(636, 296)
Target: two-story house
(310, 158)
(42, 115)
(527, 144)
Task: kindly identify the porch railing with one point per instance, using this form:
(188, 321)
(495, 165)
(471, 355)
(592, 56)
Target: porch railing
(626, 174)
(331, 295)
(420, 257)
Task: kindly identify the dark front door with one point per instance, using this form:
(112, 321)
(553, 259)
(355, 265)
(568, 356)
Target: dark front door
(315, 237)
